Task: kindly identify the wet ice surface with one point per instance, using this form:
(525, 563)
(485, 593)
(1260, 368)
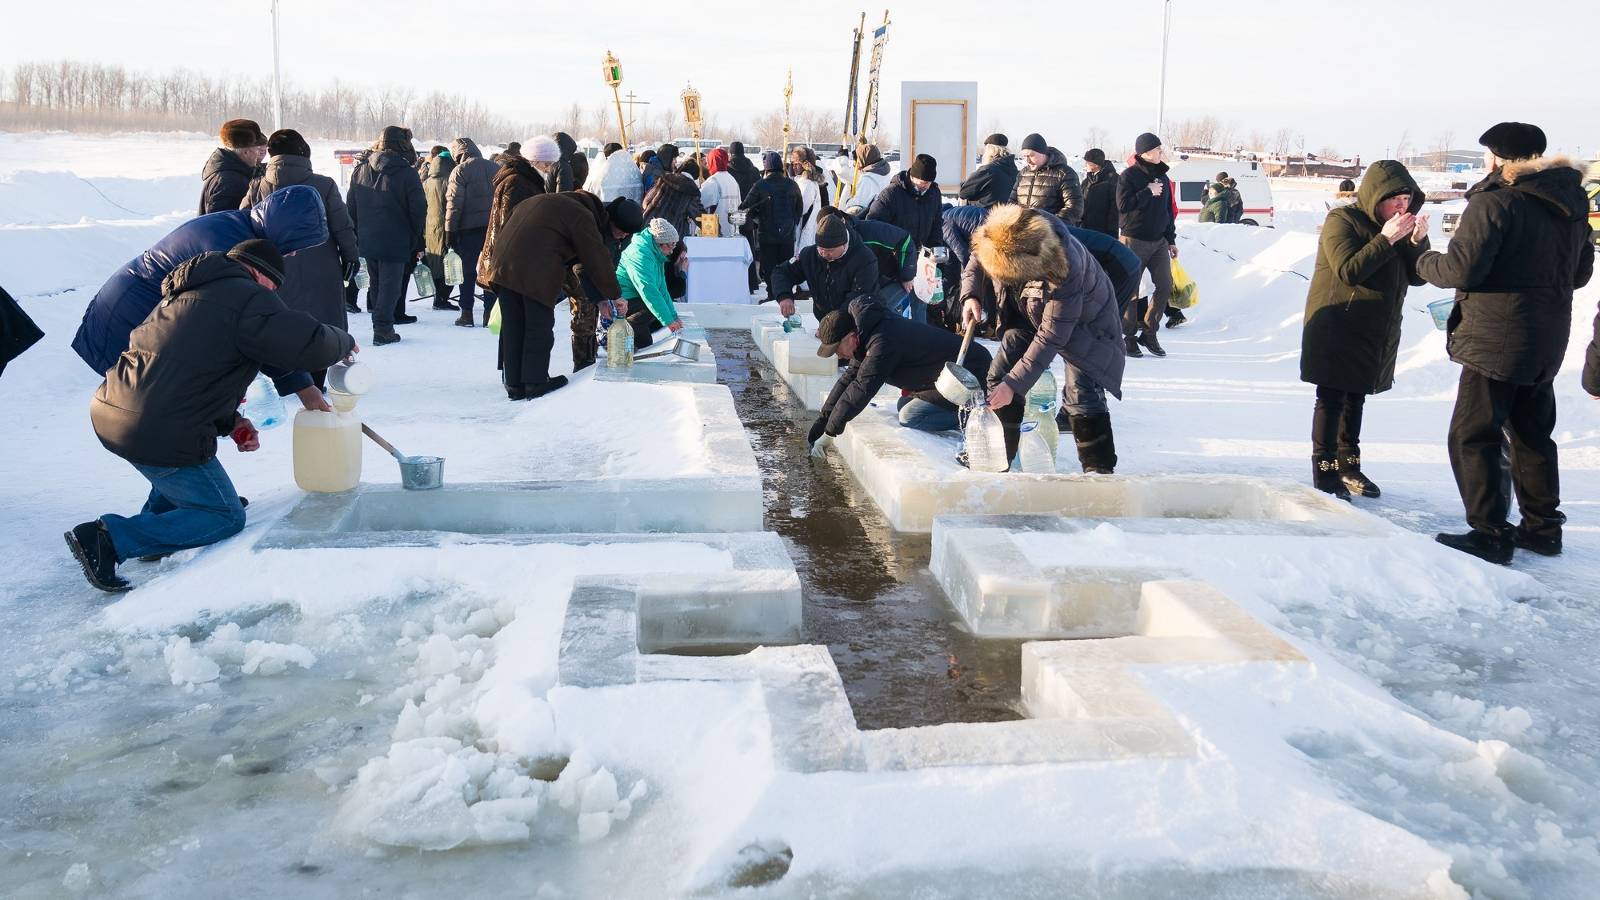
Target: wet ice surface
(900, 648)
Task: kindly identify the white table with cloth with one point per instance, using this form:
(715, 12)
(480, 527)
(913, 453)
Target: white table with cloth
(718, 270)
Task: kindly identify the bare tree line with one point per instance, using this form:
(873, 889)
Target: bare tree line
(91, 97)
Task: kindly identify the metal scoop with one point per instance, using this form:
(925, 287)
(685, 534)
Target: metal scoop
(417, 473)
(955, 383)
(676, 346)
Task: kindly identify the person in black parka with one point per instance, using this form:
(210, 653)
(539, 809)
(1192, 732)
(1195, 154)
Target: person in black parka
(1366, 260)
(390, 212)
(775, 206)
(993, 181)
(230, 168)
(1149, 228)
(883, 348)
(1519, 251)
(745, 173)
(838, 267)
(1099, 193)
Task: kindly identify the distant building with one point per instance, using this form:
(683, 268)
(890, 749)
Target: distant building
(1448, 161)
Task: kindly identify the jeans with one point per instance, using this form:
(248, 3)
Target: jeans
(189, 506)
(1485, 408)
(1154, 256)
(469, 246)
(527, 334)
(928, 410)
(386, 293)
(1336, 424)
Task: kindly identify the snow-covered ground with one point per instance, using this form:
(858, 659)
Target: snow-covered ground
(309, 722)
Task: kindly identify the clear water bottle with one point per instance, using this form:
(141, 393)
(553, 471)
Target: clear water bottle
(619, 343)
(262, 405)
(1042, 396)
(362, 279)
(453, 273)
(1047, 428)
(792, 324)
(985, 440)
(1033, 451)
(423, 276)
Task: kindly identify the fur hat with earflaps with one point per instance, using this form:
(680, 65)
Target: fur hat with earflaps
(240, 134)
(1016, 245)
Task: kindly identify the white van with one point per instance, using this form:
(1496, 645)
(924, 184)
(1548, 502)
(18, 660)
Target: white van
(1190, 174)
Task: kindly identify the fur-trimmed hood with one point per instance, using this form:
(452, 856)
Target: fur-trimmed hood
(1016, 245)
(1552, 180)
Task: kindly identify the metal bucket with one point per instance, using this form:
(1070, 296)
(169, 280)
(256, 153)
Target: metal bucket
(422, 473)
(955, 383)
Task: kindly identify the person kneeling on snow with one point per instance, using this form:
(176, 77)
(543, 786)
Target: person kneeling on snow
(176, 389)
(1050, 299)
(642, 275)
(883, 348)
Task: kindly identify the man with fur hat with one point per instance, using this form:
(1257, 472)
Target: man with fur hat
(1049, 298)
(1520, 250)
(176, 390)
(229, 170)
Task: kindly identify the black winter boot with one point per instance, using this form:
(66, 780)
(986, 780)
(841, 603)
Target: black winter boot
(1492, 548)
(1325, 478)
(1542, 544)
(1148, 340)
(91, 544)
(1097, 447)
(1131, 347)
(535, 391)
(1357, 483)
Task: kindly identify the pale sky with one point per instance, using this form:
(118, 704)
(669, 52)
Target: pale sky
(1355, 75)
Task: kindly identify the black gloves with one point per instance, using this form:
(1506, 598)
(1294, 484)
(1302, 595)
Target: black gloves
(350, 270)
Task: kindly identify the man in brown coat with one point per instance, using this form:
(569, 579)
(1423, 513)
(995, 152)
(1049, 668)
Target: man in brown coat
(546, 235)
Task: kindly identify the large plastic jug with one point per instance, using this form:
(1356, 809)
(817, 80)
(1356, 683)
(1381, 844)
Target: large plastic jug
(619, 344)
(362, 278)
(327, 451)
(1034, 453)
(1042, 396)
(454, 274)
(986, 441)
(424, 280)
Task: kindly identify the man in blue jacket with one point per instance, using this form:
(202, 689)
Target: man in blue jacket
(292, 219)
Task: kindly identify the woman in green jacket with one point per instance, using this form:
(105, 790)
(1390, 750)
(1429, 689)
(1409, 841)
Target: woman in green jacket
(642, 273)
(1216, 208)
(1366, 260)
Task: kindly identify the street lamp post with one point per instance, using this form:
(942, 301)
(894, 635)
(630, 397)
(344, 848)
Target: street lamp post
(613, 76)
(1161, 97)
(277, 78)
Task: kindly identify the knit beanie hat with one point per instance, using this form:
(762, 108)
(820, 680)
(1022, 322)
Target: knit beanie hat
(925, 168)
(1146, 142)
(997, 139)
(1095, 155)
(261, 255)
(832, 232)
(1036, 143)
(771, 161)
(1514, 140)
(625, 215)
(238, 134)
(288, 141)
(543, 149)
(662, 232)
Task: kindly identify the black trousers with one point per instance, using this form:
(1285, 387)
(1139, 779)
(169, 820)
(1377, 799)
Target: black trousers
(469, 246)
(768, 257)
(1336, 424)
(527, 334)
(1486, 412)
(645, 325)
(386, 292)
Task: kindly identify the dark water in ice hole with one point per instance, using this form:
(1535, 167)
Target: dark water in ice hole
(901, 649)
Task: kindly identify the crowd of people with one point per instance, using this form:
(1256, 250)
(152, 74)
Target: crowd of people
(1046, 264)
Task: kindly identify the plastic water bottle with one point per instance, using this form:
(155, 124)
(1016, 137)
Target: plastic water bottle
(423, 277)
(791, 324)
(619, 343)
(1042, 396)
(1033, 452)
(986, 441)
(453, 273)
(362, 278)
(262, 405)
